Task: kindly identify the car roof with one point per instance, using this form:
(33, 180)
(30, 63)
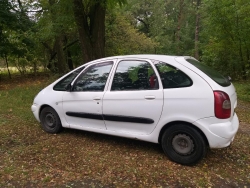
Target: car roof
(140, 56)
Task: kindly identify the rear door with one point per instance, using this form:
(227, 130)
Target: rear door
(134, 102)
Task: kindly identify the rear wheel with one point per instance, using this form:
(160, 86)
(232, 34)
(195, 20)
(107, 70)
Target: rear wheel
(183, 144)
(50, 120)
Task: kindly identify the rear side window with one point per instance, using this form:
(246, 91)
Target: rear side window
(213, 74)
(134, 75)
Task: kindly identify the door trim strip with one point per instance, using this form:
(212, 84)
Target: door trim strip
(108, 117)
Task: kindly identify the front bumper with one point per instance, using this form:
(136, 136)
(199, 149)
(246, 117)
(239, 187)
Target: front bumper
(35, 110)
(219, 135)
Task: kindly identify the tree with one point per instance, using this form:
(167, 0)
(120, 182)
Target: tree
(90, 21)
(13, 27)
(57, 34)
(227, 29)
(170, 23)
(122, 38)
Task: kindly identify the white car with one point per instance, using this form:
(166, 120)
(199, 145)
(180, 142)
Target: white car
(175, 101)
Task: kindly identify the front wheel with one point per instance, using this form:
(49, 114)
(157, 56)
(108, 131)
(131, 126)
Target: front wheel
(183, 144)
(50, 120)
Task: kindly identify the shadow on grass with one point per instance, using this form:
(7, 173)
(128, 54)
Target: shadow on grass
(114, 140)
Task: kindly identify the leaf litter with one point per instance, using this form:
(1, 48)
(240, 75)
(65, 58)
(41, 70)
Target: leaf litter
(32, 158)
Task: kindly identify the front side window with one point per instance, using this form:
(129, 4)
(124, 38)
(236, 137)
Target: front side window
(62, 85)
(134, 75)
(172, 77)
(94, 78)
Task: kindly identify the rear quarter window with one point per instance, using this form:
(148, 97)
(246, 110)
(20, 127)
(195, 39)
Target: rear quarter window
(213, 74)
(172, 77)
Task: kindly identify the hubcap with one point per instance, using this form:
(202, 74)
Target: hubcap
(183, 144)
(50, 120)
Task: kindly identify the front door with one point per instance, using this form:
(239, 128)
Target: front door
(134, 102)
(83, 104)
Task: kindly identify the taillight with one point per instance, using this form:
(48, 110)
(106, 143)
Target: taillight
(222, 105)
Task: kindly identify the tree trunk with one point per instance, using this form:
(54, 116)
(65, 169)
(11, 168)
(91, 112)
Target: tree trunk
(180, 16)
(69, 61)
(7, 65)
(18, 67)
(97, 30)
(60, 65)
(35, 67)
(243, 66)
(197, 30)
(83, 30)
(248, 57)
(61, 61)
(91, 29)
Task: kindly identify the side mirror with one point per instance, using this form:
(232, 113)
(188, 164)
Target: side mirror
(69, 87)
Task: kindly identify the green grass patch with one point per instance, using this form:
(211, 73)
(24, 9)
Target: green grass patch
(19, 99)
(243, 90)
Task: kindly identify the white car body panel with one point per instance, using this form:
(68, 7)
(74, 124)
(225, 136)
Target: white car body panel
(83, 102)
(53, 99)
(219, 135)
(230, 90)
(129, 103)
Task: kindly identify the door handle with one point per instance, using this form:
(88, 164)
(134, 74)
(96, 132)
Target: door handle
(97, 98)
(150, 97)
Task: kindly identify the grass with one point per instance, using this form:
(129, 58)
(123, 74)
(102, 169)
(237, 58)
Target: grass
(14, 70)
(243, 90)
(243, 109)
(32, 158)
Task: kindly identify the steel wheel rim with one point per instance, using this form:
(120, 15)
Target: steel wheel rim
(183, 144)
(50, 120)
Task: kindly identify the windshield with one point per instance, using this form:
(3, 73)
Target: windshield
(213, 74)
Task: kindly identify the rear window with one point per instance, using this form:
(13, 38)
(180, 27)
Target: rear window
(213, 74)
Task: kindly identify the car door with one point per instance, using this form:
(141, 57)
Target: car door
(82, 106)
(134, 101)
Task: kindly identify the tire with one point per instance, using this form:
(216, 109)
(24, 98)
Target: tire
(183, 144)
(50, 120)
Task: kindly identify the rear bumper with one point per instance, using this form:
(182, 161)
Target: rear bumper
(219, 135)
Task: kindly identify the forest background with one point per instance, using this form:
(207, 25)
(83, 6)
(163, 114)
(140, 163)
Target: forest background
(42, 39)
(59, 35)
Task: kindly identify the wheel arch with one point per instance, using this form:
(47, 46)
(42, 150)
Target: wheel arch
(44, 106)
(50, 120)
(170, 124)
